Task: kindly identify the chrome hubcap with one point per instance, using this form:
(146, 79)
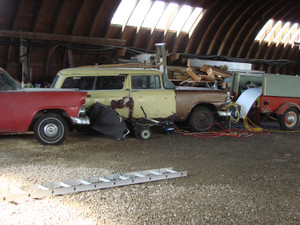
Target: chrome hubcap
(291, 119)
(51, 130)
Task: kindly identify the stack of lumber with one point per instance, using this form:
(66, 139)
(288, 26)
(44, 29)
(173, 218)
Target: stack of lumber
(204, 74)
(177, 73)
(210, 73)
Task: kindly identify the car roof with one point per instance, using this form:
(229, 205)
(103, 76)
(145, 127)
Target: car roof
(105, 70)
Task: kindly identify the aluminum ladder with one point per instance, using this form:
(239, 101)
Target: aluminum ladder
(21, 193)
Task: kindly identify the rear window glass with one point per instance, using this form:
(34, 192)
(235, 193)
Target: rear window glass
(109, 82)
(95, 82)
(145, 82)
(83, 83)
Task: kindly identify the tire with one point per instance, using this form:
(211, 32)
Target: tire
(144, 133)
(290, 119)
(200, 119)
(50, 129)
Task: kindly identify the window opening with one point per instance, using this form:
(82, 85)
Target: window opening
(167, 17)
(279, 32)
(7, 82)
(158, 15)
(82, 83)
(123, 12)
(110, 82)
(145, 82)
(181, 17)
(139, 13)
(154, 14)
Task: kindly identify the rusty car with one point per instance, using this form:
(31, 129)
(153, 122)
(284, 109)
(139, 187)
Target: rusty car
(48, 112)
(137, 92)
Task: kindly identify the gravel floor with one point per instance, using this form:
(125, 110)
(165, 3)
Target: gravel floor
(252, 180)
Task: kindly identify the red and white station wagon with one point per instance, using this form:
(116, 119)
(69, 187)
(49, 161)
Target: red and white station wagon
(47, 112)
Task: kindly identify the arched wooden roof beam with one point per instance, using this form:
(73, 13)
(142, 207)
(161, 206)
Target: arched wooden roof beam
(213, 19)
(102, 19)
(223, 25)
(67, 16)
(230, 37)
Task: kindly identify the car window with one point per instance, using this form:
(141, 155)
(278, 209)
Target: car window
(167, 83)
(145, 82)
(82, 83)
(109, 82)
(54, 81)
(7, 83)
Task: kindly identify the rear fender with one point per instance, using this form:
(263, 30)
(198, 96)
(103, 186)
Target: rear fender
(42, 112)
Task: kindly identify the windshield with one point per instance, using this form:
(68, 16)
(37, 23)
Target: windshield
(54, 81)
(167, 83)
(7, 82)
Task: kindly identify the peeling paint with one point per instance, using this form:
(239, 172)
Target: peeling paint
(126, 102)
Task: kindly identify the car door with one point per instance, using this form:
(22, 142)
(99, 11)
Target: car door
(6, 114)
(148, 95)
(5, 111)
(111, 90)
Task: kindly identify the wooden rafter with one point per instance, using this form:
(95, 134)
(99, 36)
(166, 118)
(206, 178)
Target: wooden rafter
(62, 38)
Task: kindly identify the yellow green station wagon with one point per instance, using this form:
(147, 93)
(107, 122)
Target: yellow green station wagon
(131, 90)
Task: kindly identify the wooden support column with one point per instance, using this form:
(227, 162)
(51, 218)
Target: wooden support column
(70, 58)
(24, 61)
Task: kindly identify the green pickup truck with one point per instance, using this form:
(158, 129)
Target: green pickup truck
(130, 91)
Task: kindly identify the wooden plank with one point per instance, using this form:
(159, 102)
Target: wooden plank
(215, 71)
(121, 52)
(174, 57)
(209, 77)
(190, 72)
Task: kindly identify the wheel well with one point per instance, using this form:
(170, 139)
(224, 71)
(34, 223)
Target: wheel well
(44, 111)
(285, 106)
(295, 108)
(211, 107)
(292, 108)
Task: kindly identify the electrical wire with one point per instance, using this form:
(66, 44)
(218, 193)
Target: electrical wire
(232, 132)
(250, 128)
(235, 109)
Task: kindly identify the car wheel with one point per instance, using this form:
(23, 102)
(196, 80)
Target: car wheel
(50, 129)
(144, 133)
(290, 119)
(200, 119)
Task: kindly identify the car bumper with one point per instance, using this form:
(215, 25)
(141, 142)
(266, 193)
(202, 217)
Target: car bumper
(224, 113)
(81, 120)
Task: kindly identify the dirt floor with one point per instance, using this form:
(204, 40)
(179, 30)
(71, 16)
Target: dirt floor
(246, 180)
